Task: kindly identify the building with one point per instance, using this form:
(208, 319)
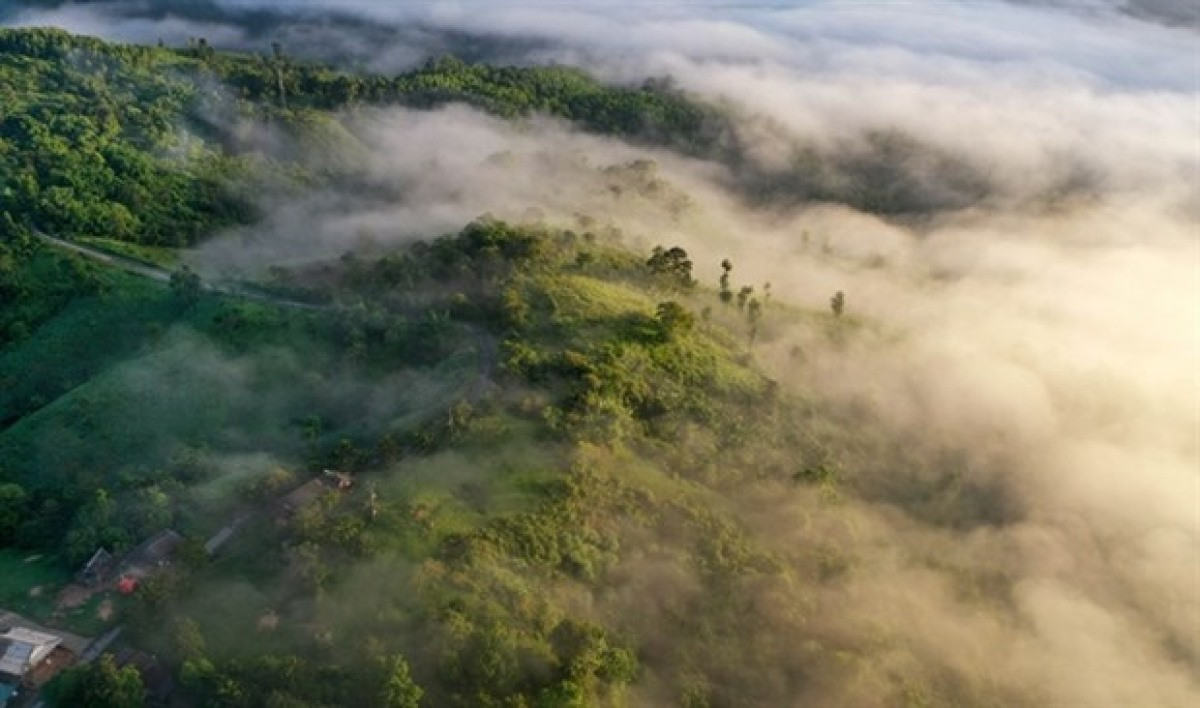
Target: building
(96, 571)
(337, 480)
(31, 655)
(310, 491)
(302, 496)
(151, 556)
(23, 649)
(220, 538)
(70, 642)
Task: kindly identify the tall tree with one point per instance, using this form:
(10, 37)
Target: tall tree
(185, 283)
(743, 296)
(100, 684)
(725, 293)
(13, 500)
(279, 62)
(837, 303)
(753, 315)
(673, 265)
(673, 319)
(399, 689)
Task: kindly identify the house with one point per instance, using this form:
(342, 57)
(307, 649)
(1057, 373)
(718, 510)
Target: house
(220, 538)
(312, 490)
(302, 496)
(70, 642)
(337, 480)
(152, 555)
(23, 649)
(97, 570)
(31, 655)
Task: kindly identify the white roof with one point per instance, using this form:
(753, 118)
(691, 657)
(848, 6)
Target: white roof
(21, 634)
(23, 649)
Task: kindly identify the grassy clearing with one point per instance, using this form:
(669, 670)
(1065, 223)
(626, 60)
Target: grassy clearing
(591, 299)
(88, 336)
(29, 582)
(94, 617)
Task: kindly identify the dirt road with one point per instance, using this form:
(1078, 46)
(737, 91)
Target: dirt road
(163, 275)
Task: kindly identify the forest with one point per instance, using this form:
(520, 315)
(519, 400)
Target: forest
(555, 374)
(385, 354)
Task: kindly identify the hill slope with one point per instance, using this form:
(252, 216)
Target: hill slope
(572, 484)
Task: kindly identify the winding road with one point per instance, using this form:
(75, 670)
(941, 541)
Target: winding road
(485, 344)
(163, 275)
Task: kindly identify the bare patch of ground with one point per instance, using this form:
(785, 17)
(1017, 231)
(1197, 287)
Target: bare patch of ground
(73, 596)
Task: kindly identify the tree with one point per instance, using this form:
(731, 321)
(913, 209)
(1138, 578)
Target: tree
(673, 265)
(458, 419)
(279, 62)
(95, 524)
(372, 502)
(153, 594)
(307, 564)
(837, 303)
(186, 640)
(192, 553)
(725, 293)
(753, 315)
(204, 49)
(399, 689)
(97, 685)
(185, 283)
(204, 682)
(673, 318)
(271, 484)
(743, 296)
(12, 511)
(148, 511)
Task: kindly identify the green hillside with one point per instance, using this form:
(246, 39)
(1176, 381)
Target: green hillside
(556, 443)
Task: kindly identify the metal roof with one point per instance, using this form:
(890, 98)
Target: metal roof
(21, 634)
(22, 648)
(15, 658)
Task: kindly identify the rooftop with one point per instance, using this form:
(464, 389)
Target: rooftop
(151, 554)
(302, 495)
(21, 649)
(72, 642)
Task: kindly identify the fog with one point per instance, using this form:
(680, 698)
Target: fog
(1044, 337)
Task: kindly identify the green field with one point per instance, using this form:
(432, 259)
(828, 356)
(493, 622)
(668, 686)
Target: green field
(29, 582)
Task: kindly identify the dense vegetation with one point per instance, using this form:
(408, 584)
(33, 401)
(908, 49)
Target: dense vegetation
(145, 145)
(120, 418)
(604, 416)
(545, 429)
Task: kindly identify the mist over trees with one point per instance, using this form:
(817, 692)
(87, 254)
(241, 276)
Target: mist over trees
(445, 383)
